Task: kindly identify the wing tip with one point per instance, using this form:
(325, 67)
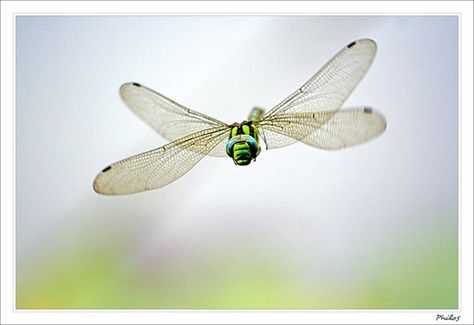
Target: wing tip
(368, 110)
(367, 41)
(127, 86)
(379, 116)
(376, 116)
(97, 185)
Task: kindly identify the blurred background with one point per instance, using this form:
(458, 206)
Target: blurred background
(369, 227)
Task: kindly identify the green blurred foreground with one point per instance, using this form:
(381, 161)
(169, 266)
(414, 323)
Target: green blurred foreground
(97, 274)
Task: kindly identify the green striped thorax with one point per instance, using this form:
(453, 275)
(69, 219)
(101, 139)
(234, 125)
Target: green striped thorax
(243, 145)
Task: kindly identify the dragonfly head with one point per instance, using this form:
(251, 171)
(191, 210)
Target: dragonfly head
(242, 149)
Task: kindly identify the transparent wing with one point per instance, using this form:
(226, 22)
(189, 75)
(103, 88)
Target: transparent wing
(329, 88)
(324, 130)
(160, 166)
(219, 149)
(170, 119)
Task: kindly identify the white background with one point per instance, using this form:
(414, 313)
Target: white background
(323, 206)
(71, 123)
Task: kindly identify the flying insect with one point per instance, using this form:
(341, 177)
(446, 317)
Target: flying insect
(312, 115)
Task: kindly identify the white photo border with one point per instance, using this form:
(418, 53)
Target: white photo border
(11, 9)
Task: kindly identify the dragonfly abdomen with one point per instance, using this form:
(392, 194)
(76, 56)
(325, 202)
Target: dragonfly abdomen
(242, 153)
(243, 145)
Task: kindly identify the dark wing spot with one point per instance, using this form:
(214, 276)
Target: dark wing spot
(367, 110)
(351, 45)
(106, 169)
(136, 84)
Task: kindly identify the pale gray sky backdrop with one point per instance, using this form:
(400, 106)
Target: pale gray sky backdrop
(327, 206)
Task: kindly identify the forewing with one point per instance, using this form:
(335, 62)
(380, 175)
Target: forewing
(324, 130)
(284, 129)
(329, 88)
(160, 166)
(219, 149)
(170, 119)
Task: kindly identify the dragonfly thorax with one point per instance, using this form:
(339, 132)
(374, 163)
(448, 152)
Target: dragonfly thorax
(243, 145)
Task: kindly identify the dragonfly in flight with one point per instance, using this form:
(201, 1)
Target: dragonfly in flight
(312, 115)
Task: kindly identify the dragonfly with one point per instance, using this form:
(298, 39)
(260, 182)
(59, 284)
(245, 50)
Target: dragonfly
(311, 115)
